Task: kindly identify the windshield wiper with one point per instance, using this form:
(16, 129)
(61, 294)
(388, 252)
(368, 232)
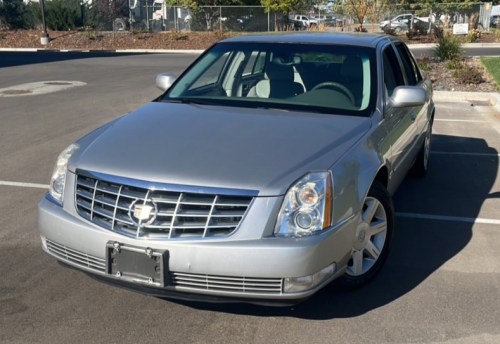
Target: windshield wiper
(188, 101)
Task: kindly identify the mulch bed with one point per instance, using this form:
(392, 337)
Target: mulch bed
(443, 79)
(105, 41)
(485, 38)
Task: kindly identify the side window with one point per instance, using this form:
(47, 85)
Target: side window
(212, 74)
(410, 70)
(392, 73)
(418, 75)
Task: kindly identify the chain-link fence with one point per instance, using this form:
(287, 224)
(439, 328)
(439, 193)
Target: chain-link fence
(155, 15)
(402, 18)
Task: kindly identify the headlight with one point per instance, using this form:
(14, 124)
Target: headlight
(307, 206)
(58, 180)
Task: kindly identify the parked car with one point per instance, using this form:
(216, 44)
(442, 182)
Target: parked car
(404, 25)
(263, 173)
(306, 21)
(494, 21)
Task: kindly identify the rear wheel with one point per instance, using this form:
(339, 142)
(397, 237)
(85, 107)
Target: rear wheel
(373, 238)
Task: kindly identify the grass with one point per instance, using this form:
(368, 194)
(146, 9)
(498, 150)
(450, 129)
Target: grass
(492, 65)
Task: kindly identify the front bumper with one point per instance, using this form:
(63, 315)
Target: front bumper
(233, 257)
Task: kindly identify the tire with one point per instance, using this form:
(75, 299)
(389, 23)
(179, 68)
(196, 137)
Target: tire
(421, 165)
(378, 220)
(120, 24)
(397, 30)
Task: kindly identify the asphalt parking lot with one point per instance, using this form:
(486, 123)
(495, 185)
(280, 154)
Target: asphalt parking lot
(441, 283)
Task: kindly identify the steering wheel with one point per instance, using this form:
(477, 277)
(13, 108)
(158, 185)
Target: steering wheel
(336, 84)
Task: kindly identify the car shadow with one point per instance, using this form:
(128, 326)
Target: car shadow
(13, 59)
(455, 185)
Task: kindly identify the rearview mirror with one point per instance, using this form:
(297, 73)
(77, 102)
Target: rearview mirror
(164, 81)
(407, 96)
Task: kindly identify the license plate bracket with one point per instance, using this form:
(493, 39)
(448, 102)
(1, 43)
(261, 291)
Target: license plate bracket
(139, 265)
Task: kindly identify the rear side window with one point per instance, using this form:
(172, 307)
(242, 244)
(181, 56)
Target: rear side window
(392, 73)
(411, 70)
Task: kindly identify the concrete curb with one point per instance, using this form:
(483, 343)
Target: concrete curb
(129, 51)
(465, 45)
(446, 96)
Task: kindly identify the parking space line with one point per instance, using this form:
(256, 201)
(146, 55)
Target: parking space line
(449, 218)
(466, 153)
(459, 120)
(26, 185)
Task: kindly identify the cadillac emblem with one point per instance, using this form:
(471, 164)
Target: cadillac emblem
(142, 212)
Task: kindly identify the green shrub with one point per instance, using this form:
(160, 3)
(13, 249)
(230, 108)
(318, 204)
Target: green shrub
(424, 66)
(454, 64)
(473, 35)
(390, 31)
(61, 15)
(16, 15)
(448, 48)
(438, 32)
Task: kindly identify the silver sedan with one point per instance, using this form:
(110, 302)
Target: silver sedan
(261, 174)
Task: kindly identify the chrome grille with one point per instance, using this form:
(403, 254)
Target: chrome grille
(178, 214)
(79, 258)
(228, 284)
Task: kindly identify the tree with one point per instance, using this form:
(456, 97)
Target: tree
(284, 6)
(112, 9)
(375, 10)
(357, 8)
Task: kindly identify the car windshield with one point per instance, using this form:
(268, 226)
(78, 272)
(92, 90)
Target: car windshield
(333, 79)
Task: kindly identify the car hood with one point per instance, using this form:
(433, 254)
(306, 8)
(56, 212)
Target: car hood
(224, 147)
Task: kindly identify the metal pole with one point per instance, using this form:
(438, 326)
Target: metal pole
(268, 21)
(220, 18)
(45, 36)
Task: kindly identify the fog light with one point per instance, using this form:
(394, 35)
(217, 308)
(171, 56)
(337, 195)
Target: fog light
(44, 241)
(297, 284)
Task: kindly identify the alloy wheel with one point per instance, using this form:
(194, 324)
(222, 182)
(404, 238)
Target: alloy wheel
(370, 238)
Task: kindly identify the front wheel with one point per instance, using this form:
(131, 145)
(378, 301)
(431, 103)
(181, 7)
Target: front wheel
(373, 238)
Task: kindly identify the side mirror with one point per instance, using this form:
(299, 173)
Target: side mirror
(407, 96)
(164, 81)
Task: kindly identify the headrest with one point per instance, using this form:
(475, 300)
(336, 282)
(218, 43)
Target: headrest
(352, 68)
(281, 72)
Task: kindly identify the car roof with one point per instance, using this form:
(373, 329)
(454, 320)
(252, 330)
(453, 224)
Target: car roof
(312, 37)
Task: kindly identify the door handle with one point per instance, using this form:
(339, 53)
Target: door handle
(413, 116)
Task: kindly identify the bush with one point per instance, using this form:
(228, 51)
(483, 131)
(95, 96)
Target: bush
(61, 14)
(470, 76)
(177, 35)
(448, 48)
(219, 35)
(424, 66)
(454, 64)
(16, 15)
(360, 29)
(390, 31)
(473, 35)
(438, 32)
